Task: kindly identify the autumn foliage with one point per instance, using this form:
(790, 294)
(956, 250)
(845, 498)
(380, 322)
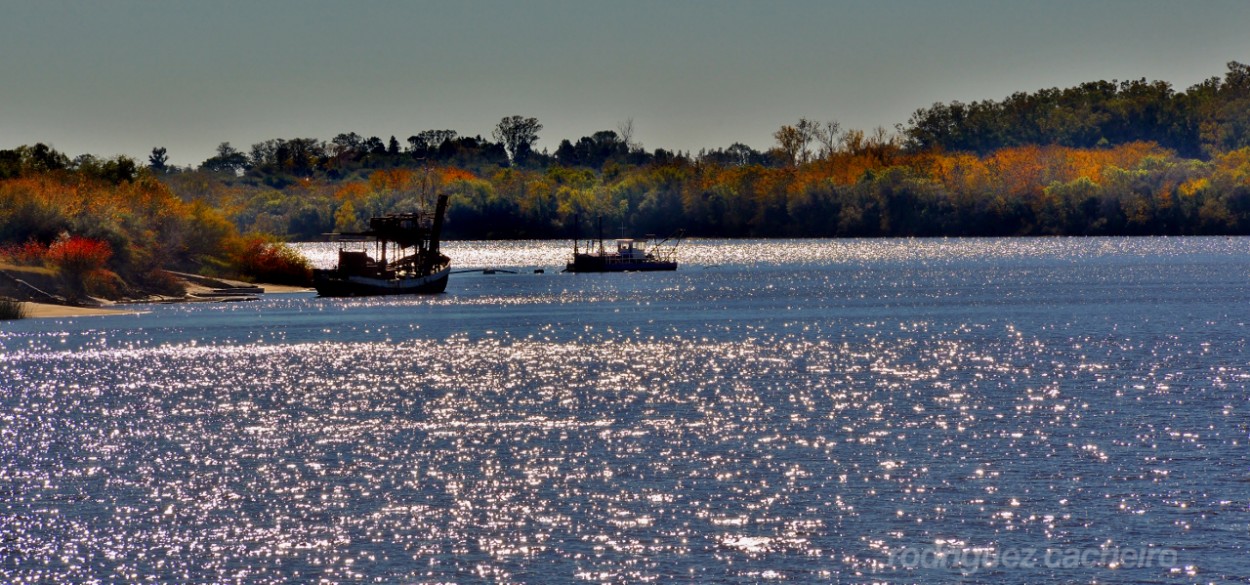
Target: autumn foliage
(1102, 158)
(78, 255)
(869, 187)
(107, 227)
(28, 253)
(262, 260)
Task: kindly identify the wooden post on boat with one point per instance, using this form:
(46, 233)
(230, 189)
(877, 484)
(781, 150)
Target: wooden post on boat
(437, 230)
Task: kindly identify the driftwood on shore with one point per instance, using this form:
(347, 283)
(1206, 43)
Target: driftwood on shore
(21, 290)
(204, 288)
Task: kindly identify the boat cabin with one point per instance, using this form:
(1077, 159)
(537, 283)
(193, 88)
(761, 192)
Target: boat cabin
(629, 249)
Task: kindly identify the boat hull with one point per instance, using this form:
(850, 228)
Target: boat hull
(330, 283)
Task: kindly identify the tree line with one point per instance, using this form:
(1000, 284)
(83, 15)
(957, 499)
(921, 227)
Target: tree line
(869, 187)
(1101, 158)
(1208, 118)
(350, 155)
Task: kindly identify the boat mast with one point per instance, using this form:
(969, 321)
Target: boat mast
(600, 235)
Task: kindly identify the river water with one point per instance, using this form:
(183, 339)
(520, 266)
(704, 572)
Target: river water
(805, 411)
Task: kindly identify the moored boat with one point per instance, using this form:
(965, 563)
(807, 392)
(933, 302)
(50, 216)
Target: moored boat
(630, 256)
(419, 267)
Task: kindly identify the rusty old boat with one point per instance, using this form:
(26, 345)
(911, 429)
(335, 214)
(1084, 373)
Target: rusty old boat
(406, 258)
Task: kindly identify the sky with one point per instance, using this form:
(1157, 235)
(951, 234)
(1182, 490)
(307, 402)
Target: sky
(119, 77)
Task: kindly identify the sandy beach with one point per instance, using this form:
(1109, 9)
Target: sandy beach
(51, 311)
(282, 288)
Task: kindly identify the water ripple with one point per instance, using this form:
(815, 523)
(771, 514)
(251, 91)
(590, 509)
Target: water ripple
(706, 427)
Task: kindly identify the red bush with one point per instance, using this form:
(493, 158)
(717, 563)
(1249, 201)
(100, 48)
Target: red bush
(31, 253)
(78, 255)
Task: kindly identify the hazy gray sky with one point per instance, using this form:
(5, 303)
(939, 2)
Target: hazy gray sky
(120, 77)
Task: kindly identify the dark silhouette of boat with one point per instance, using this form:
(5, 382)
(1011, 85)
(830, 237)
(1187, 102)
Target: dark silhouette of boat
(423, 270)
(630, 255)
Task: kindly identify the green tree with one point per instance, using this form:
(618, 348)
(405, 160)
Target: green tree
(518, 135)
(42, 158)
(790, 143)
(158, 159)
(345, 219)
(1225, 114)
(228, 160)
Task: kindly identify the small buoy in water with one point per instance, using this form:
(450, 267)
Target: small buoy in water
(538, 271)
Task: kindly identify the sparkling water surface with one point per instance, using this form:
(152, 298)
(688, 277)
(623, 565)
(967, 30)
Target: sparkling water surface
(800, 411)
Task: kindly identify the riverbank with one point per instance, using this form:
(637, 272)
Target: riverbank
(35, 310)
(205, 288)
(50, 311)
(43, 301)
(53, 311)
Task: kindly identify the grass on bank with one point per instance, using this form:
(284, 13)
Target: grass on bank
(11, 309)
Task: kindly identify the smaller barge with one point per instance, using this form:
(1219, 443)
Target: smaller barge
(411, 238)
(630, 255)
